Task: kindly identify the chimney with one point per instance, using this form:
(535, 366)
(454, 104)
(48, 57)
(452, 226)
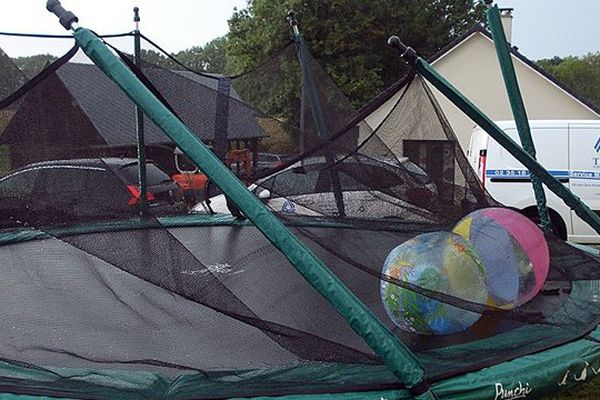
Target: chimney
(506, 18)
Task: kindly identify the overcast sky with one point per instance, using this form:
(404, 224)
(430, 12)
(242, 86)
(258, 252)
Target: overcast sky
(174, 24)
(545, 28)
(541, 28)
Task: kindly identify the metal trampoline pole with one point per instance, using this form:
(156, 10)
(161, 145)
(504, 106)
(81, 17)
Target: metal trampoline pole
(139, 121)
(517, 106)
(471, 110)
(309, 88)
(396, 356)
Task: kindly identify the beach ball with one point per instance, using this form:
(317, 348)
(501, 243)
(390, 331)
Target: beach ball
(439, 261)
(514, 253)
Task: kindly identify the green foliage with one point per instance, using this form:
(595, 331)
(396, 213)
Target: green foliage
(274, 89)
(581, 74)
(348, 37)
(278, 139)
(158, 59)
(31, 65)
(548, 63)
(210, 58)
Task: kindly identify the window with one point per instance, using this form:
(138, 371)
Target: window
(154, 175)
(18, 185)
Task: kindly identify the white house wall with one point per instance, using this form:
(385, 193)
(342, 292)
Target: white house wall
(473, 68)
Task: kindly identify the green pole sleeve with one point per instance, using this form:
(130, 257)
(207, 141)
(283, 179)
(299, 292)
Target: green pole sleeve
(459, 100)
(392, 351)
(517, 106)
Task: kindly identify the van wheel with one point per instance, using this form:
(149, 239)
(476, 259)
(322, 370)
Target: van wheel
(559, 228)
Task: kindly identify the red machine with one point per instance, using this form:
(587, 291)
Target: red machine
(242, 156)
(193, 182)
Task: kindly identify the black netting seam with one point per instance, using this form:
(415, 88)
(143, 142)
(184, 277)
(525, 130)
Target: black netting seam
(258, 250)
(138, 71)
(282, 335)
(43, 74)
(459, 155)
(424, 213)
(211, 76)
(358, 116)
(591, 338)
(517, 315)
(556, 343)
(374, 133)
(47, 36)
(143, 361)
(418, 211)
(145, 81)
(377, 194)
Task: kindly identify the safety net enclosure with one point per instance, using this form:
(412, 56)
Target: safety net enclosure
(106, 295)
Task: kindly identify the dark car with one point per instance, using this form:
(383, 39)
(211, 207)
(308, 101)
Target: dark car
(66, 191)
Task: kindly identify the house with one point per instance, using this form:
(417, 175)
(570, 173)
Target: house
(470, 63)
(77, 111)
(11, 77)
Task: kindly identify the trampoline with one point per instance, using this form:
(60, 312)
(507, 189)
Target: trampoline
(283, 296)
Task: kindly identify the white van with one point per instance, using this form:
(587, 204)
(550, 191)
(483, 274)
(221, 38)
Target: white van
(568, 149)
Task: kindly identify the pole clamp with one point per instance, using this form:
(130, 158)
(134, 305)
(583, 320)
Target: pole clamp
(407, 53)
(66, 18)
(420, 388)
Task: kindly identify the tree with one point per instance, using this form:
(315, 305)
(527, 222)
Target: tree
(31, 65)
(581, 74)
(158, 59)
(348, 37)
(210, 58)
(549, 63)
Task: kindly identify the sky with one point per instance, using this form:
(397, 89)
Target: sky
(545, 28)
(174, 24)
(541, 28)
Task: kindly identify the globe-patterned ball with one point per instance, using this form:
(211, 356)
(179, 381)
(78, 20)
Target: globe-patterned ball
(514, 253)
(439, 261)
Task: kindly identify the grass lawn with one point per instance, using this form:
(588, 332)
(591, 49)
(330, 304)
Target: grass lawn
(587, 391)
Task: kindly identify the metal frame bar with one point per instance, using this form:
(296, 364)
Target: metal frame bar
(139, 122)
(518, 107)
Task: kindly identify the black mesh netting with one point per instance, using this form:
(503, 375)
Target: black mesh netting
(191, 302)
(410, 168)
